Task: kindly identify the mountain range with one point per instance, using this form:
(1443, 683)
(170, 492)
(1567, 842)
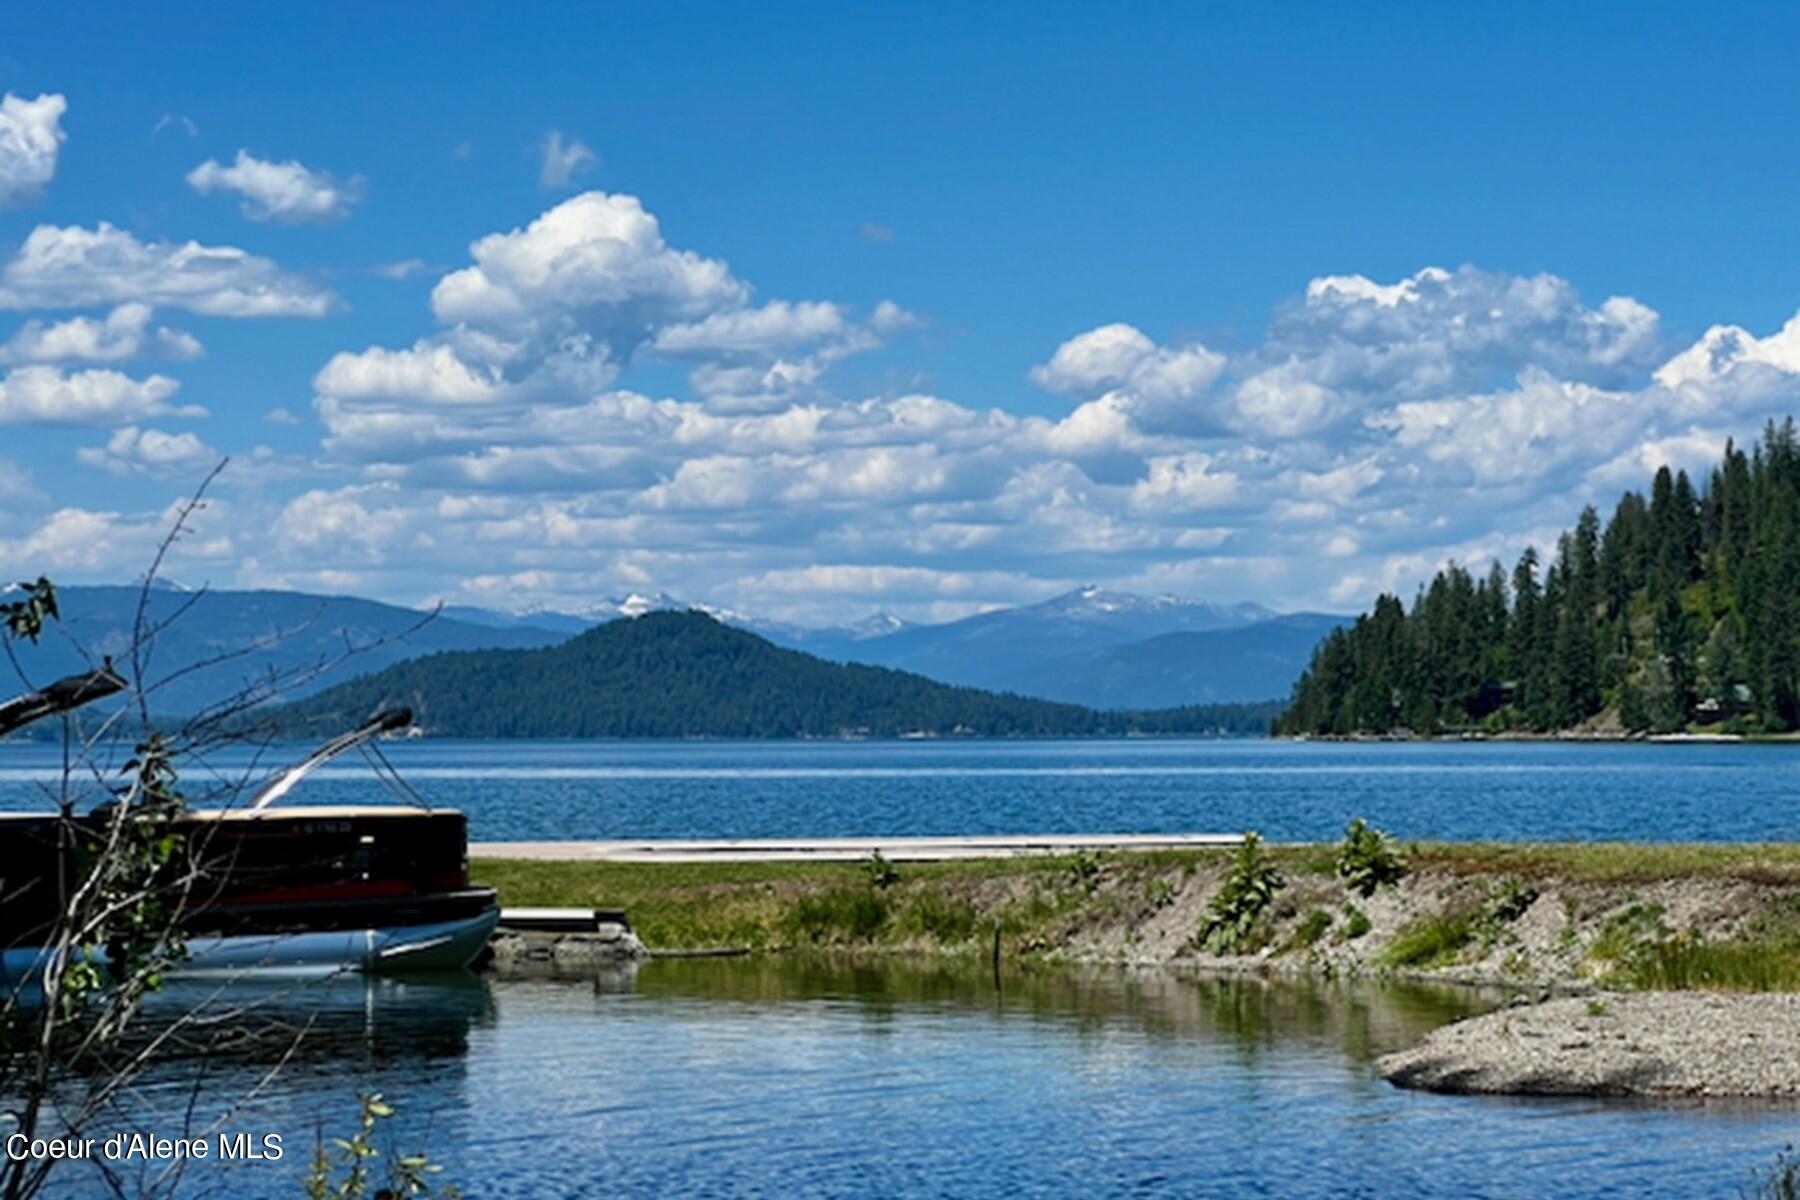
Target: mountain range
(684, 674)
(247, 638)
(1091, 647)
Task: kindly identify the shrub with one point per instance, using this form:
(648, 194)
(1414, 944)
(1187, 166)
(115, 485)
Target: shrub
(1084, 870)
(1250, 886)
(1622, 934)
(1313, 926)
(1356, 923)
(940, 917)
(1367, 859)
(1513, 902)
(1430, 941)
(880, 872)
(350, 1169)
(1781, 1183)
(855, 914)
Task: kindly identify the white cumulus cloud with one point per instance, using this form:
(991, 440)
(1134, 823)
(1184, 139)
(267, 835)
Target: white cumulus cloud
(41, 395)
(431, 374)
(31, 135)
(595, 261)
(773, 328)
(73, 267)
(123, 334)
(284, 192)
(1163, 386)
(134, 451)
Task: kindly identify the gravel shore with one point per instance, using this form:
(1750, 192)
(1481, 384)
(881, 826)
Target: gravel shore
(1635, 1044)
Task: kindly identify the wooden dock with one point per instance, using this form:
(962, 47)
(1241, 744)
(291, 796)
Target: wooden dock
(895, 849)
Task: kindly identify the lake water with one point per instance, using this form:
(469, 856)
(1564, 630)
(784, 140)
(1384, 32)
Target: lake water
(802, 1078)
(1287, 791)
(794, 1077)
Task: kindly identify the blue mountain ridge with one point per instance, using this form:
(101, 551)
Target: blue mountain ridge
(1092, 647)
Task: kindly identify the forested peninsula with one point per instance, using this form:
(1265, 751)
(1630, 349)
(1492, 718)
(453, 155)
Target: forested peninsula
(1681, 613)
(683, 674)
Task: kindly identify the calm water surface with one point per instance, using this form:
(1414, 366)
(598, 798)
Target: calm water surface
(1288, 791)
(797, 1078)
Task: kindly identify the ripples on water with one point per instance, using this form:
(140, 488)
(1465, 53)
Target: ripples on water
(813, 1078)
(1287, 791)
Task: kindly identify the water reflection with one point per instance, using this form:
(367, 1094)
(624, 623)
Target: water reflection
(1361, 1019)
(344, 1021)
(826, 1077)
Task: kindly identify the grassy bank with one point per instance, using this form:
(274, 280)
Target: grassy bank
(1612, 915)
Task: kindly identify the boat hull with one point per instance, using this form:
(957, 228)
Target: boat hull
(376, 950)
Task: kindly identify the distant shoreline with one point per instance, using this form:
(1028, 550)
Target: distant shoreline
(1559, 737)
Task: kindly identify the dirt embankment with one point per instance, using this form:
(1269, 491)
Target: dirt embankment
(1475, 921)
(1567, 917)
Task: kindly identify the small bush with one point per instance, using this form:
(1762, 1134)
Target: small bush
(1250, 886)
(352, 1168)
(1623, 934)
(1513, 902)
(844, 913)
(1159, 891)
(934, 915)
(1367, 859)
(1597, 1008)
(1782, 1181)
(1084, 870)
(880, 872)
(1313, 926)
(1356, 923)
(1430, 942)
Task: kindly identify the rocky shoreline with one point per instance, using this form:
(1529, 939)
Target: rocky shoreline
(1652, 1044)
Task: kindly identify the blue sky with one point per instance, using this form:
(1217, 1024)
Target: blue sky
(822, 309)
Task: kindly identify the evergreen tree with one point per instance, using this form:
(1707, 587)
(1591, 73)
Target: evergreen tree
(1665, 614)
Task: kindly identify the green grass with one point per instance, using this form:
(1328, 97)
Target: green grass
(1616, 862)
(1313, 926)
(1430, 941)
(680, 906)
(1045, 902)
(947, 920)
(842, 914)
(1736, 965)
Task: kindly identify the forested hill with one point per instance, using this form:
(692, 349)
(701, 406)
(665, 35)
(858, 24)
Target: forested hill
(1682, 610)
(669, 674)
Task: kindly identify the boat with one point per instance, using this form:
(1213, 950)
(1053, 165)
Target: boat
(290, 890)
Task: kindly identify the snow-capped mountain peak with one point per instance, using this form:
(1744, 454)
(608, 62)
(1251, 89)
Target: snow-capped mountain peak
(1093, 602)
(879, 624)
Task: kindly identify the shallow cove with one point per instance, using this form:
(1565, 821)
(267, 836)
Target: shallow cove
(814, 1077)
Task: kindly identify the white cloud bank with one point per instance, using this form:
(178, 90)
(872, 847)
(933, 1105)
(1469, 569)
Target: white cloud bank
(515, 450)
(1377, 428)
